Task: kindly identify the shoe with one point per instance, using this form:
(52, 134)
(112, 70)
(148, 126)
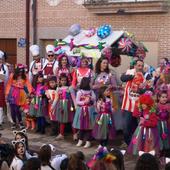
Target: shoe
(59, 137)
(1, 127)
(87, 145)
(75, 136)
(80, 142)
(123, 145)
(13, 126)
(21, 126)
(100, 146)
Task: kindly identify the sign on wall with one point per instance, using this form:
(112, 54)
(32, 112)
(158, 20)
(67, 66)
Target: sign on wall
(22, 42)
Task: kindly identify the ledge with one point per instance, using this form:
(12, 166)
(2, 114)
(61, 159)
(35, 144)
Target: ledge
(116, 7)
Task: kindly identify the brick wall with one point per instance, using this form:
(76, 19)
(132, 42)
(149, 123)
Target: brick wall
(146, 27)
(12, 23)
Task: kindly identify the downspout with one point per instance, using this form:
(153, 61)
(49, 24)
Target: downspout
(34, 20)
(27, 30)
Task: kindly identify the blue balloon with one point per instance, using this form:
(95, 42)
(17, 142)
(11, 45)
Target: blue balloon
(104, 31)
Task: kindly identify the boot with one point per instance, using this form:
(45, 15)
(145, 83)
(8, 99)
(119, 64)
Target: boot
(80, 142)
(87, 145)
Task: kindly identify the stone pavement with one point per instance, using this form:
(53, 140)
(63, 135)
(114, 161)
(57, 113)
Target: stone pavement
(67, 146)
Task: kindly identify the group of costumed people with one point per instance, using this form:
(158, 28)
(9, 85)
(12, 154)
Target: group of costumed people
(87, 99)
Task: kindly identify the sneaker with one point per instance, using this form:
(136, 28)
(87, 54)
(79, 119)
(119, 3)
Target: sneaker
(80, 142)
(75, 136)
(87, 145)
(1, 127)
(60, 137)
(98, 147)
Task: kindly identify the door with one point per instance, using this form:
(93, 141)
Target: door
(10, 47)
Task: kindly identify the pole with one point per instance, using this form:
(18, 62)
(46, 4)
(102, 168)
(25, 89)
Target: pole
(34, 19)
(27, 30)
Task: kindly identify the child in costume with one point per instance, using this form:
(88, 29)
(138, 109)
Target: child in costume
(82, 71)
(52, 96)
(163, 112)
(164, 81)
(84, 117)
(30, 120)
(19, 135)
(20, 155)
(64, 68)
(146, 137)
(104, 128)
(39, 103)
(65, 104)
(17, 88)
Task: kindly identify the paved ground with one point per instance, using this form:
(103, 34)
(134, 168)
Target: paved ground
(66, 146)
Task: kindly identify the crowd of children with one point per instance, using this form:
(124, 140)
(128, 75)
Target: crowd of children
(55, 92)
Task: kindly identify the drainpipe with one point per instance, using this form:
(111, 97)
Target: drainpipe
(34, 20)
(27, 30)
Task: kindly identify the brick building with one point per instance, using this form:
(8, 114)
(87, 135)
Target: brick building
(149, 20)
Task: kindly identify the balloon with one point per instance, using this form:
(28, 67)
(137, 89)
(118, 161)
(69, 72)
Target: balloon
(90, 32)
(107, 52)
(104, 31)
(125, 44)
(140, 53)
(74, 29)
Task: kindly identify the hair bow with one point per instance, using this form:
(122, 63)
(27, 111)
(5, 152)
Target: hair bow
(122, 151)
(151, 152)
(53, 149)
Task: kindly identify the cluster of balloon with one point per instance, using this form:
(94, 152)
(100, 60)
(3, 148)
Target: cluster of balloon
(74, 29)
(91, 32)
(125, 44)
(112, 55)
(140, 53)
(104, 31)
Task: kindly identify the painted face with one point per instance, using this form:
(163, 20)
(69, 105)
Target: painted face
(162, 62)
(107, 92)
(144, 106)
(50, 57)
(63, 81)
(40, 79)
(36, 58)
(139, 66)
(104, 65)
(163, 98)
(52, 84)
(18, 137)
(64, 61)
(84, 63)
(21, 149)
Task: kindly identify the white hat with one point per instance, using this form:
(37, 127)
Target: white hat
(35, 50)
(1, 54)
(50, 48)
